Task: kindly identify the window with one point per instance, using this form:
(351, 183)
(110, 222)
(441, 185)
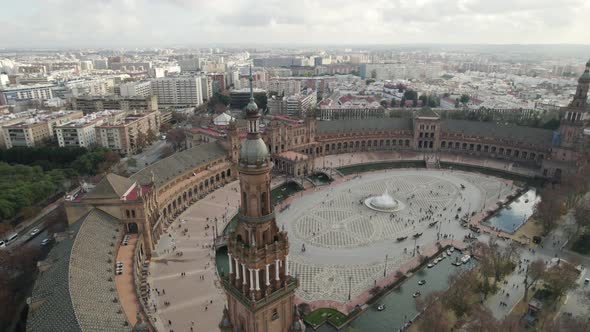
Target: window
(275, 314)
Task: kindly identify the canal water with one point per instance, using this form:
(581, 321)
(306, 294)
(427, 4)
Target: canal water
(515, 214)
(400, 305)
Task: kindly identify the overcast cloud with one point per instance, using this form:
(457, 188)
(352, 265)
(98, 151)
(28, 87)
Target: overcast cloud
(104, 23)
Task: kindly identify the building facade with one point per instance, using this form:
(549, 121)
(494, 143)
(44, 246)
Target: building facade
(124, 135)
(81, 132)
(98, 104)
(36, 130)
(178, 90)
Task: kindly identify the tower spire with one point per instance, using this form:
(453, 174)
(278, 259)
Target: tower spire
(251, 89)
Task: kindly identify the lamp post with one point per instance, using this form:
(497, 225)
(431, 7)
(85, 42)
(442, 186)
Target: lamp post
(385, 270)
(349, 286)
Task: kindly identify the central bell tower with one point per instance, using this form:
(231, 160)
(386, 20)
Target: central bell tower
(259, 288)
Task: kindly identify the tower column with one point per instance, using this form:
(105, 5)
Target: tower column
(257, 279)
(287, 265)
(277, 269)
(231, 265)
(267, 276)
(237, 269)
(251, 280)
(244, 273)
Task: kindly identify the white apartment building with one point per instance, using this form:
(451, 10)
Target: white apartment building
(178, 90)
(295, 105)
(193, 64)
(13, 94)
(94, 87)
(136, 89)
(406, 71)
(284, 87)
(36, 130)
(207, 87)
(81, 132)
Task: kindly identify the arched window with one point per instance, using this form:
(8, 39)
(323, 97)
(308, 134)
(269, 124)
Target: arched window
(244, 202)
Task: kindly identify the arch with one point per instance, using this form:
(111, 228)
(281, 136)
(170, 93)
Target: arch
(443, 144)
(132, 228)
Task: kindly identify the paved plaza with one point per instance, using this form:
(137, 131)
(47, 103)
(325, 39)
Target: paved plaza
(346, 243)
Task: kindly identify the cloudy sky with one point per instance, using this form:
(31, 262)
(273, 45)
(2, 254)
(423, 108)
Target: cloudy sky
(104, 23)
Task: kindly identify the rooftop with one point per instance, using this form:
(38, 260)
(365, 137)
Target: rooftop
(73, 291)
(178, 163)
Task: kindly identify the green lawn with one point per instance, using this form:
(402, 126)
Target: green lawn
(321, 315)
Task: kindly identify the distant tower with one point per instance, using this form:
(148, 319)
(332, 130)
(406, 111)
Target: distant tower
(575, 113)
(581, 96)
(259, 289)
(234, 141)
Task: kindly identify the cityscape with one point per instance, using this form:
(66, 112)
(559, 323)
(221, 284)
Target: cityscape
(281, 167)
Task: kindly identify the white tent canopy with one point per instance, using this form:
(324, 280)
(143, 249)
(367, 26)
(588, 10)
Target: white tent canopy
(223, 119)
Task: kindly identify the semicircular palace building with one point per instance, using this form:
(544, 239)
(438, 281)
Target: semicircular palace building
(74, 291)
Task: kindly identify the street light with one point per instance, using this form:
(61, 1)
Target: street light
(385, 270)
(349, 286)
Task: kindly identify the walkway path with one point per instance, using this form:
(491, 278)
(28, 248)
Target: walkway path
(124, 282)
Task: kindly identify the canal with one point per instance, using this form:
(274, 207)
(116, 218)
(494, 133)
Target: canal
(400, 305)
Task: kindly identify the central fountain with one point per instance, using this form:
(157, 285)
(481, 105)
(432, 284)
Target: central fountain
(384, 203)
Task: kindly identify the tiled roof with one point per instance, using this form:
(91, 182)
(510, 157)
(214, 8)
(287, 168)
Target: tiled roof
(76, 291)
(366, 124)
(92, 286)
(509, 132)
(51, 307)
(111, 186)
(178, 163)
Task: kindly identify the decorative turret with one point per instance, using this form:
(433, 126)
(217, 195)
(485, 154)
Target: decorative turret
(581, 96)
(254, 152)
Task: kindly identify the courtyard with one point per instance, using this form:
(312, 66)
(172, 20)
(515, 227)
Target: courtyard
(348, 247)
(339, 245)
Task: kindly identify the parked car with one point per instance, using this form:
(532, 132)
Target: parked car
(46, 241)
(35, 231)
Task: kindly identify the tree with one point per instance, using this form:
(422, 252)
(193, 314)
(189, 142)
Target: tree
(457, 296)
(464, 99)
(534, 272)
(383, 103)
(141, 140)
(132, 162)
(481, 319)
(411, 95)
(176, 137)
(403, 102)
(165, 127)
(167, 151)
(178, 117)
(435, 318)
(559, 279)
(393, 102)
(548, 210)
(151, 136)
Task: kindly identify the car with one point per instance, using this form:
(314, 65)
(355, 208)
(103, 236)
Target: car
(587, 281)
(381, 307)
(430, 265)
(35, 231)
(416, 294)
(46, 241)
(421, 282)
(11, 237)
(2, 244)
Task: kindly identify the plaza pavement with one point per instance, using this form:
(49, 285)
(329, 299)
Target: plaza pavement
(187, 299)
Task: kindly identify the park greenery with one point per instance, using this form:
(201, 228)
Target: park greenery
(31, 175)
(24, 186)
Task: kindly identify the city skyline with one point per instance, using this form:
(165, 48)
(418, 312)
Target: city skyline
(147, 23)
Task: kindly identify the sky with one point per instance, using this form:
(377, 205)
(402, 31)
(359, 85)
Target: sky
(161, 23)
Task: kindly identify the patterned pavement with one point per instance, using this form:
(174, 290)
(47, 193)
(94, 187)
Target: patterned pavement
(346, 242)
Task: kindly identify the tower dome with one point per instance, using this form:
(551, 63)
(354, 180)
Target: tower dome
(254, 152)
